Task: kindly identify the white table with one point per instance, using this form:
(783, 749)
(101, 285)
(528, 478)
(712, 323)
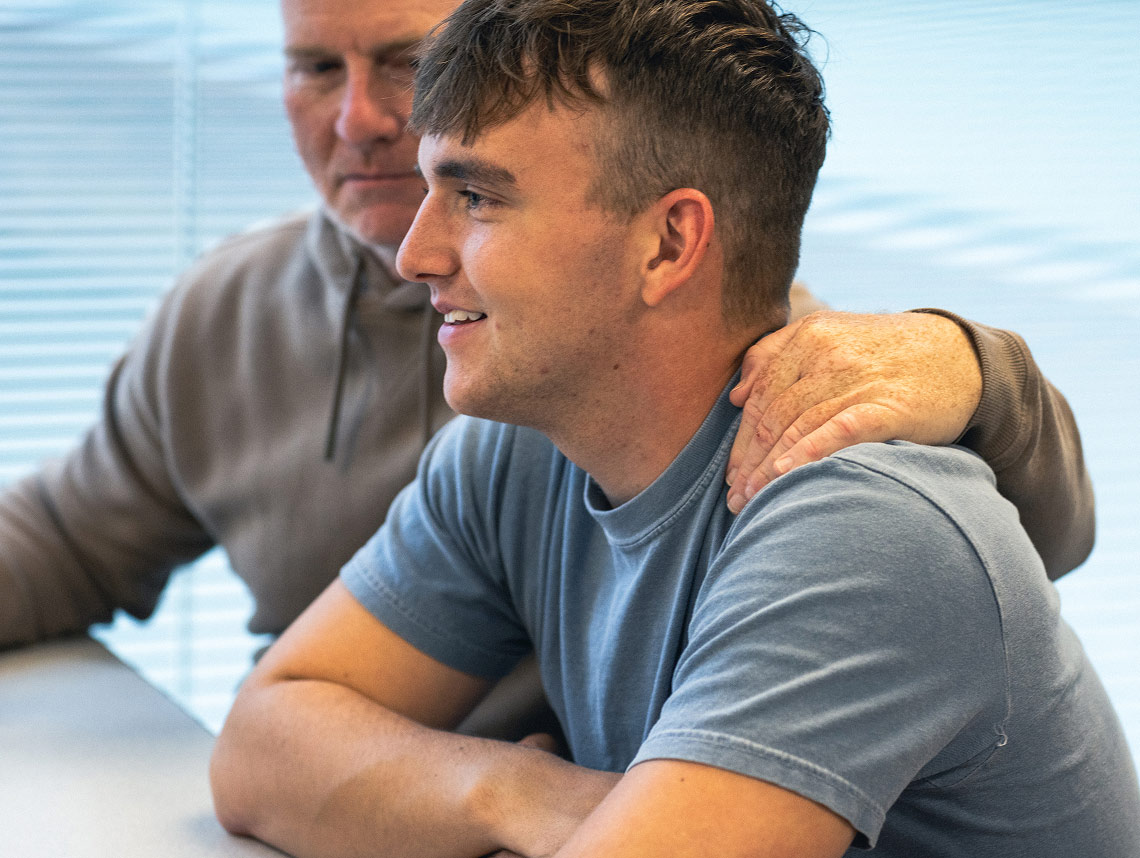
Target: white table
(97, 763)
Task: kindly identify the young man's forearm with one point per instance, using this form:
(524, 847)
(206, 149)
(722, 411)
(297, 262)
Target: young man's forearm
(319, 770)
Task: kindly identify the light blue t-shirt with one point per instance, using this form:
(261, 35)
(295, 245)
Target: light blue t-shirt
(873, 631)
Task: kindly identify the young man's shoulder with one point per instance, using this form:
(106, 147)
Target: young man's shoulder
(470, 451)
(903, 515)
(960, 489)
(881, 483)
(929, 470)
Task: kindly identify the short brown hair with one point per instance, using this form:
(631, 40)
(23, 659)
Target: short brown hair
(717, 95)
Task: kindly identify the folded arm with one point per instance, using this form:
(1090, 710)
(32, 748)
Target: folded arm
(688, 810)
(339, 743)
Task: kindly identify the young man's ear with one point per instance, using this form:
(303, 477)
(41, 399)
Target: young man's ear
(680, 231)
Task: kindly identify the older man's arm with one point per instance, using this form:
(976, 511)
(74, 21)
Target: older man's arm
(830, 380)
(339, 744)
(1024, 429)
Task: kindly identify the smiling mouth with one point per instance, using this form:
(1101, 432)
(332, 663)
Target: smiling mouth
(459, 317)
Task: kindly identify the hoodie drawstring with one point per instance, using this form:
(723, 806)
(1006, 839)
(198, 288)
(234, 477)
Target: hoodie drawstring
(342, 356)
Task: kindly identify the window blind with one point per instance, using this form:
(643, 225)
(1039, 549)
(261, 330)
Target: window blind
(133, 135)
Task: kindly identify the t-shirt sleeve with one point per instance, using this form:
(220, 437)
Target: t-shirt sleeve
(433, 573)
(845, 643)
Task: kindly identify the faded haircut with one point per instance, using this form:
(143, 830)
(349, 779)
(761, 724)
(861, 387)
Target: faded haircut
(717, 95)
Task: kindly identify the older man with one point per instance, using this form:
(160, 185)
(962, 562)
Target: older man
(279, 398)
(867, 655)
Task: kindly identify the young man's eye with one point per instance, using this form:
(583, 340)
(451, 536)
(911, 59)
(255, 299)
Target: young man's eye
(474, 199)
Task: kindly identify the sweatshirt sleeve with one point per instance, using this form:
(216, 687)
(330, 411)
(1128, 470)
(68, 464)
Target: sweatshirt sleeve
(1025, 431)
(102, 528)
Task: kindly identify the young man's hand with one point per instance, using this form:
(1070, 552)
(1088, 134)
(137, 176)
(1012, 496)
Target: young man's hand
(538, 804)
(830, 380)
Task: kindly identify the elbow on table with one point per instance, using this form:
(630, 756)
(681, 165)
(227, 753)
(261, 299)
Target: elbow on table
(234, 799)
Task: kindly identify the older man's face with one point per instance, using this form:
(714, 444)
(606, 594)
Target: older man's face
(348, 93)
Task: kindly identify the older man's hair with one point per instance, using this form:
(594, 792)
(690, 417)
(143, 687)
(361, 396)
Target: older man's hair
(717, 95)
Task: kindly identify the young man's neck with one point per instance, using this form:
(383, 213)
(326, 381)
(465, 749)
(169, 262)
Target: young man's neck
(637, 434)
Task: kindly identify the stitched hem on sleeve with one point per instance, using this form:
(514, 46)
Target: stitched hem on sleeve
(768, 764)
(386, 605)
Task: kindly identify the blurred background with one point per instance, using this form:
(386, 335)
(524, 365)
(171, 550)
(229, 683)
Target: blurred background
(985, 158)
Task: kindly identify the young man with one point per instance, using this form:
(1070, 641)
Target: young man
(281, 395)
(868, 654)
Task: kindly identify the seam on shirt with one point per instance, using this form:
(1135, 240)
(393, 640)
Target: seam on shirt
(1000, 729)
(697, 490)
(939, 782)
(806, 767)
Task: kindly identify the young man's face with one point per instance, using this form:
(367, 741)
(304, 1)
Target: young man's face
(538, 285)
(348, 93)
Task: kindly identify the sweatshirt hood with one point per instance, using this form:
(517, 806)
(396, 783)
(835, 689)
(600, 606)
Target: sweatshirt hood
(340, 258)
(348, 267)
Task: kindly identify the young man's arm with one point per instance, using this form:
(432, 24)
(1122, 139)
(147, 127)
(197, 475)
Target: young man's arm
(338, 744)
(681, 809)
(688, 810)
(832, 380)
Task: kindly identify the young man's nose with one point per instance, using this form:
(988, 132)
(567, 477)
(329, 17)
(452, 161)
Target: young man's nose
(424, 253)
(371, 109)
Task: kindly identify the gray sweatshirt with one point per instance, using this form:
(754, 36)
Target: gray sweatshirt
(215, 429)
(279, 399)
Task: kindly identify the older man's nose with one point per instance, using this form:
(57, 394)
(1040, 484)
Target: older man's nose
(371, 108)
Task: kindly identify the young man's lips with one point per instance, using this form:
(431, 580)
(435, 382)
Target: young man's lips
(459, 317)
(457, 323)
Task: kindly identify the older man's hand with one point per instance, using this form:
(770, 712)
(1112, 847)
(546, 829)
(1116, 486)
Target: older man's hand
(830, 380)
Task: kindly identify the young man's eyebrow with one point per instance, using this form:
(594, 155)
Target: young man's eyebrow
(476, 171)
